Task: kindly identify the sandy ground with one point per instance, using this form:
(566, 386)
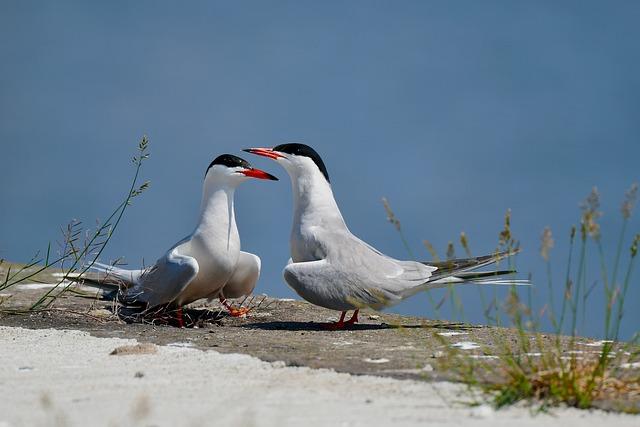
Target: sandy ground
(68, 378)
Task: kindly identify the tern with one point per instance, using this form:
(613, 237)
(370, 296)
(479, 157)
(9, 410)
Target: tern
(206, 264)
(332, 268)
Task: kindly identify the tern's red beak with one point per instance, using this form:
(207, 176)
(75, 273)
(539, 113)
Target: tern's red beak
(264, 152)
(257, 173)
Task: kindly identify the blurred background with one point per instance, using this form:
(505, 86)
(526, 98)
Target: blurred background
(454, 111)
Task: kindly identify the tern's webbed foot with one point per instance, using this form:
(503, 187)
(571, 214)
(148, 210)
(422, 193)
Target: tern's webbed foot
(354, 318)
(238, 312)
(333, 326)
(341, 324)
(234, 311)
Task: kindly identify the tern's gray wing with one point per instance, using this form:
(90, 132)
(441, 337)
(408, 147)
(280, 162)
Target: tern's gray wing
(165, 280)
(371, 265)
(354, 274)
(320, 283)
(244, 278)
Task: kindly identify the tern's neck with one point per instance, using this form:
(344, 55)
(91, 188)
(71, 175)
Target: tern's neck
(314, 204)
(216, 208)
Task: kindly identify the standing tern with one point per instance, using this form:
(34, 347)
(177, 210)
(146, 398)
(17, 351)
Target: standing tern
(332, 268)
(206, 264)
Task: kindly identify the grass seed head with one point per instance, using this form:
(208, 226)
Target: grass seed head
(547, 243)
(391, 217)
(451, 251)
(630, 199)
(464, 241)
(568, 289)
(431, 249)
(590, 214)
(634, 246)
(505, 234)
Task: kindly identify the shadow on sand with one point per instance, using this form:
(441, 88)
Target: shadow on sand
(317, 326)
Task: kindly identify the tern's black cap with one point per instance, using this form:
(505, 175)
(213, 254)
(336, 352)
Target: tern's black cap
(304, 150)
(230, 161)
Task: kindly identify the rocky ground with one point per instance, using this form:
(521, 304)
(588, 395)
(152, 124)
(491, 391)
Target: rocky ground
(290, 332)
(286, 330)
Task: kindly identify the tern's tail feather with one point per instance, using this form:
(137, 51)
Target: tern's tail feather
(111, 280)
(462, 271)
(116, 275)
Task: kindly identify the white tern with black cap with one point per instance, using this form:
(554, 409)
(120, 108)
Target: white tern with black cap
(206, 264)
(332, 268)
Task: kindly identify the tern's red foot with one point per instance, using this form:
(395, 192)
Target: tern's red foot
(354, 318)
(234, 311)
(238, 312)
(334, 326)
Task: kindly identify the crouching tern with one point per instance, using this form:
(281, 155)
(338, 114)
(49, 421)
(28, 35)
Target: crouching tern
(332, 268)
(206, 264)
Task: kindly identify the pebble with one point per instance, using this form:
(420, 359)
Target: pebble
(381, 360)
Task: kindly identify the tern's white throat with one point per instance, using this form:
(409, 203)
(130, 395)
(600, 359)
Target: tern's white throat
(216, 206)
(216, 231)
(313, 199)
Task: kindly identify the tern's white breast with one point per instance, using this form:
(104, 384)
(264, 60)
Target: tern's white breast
(215, 244)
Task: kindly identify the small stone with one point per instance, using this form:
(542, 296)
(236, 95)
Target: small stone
(482, 411)
(139, 374)
(127, 350)
(381, 360)
(101, 313)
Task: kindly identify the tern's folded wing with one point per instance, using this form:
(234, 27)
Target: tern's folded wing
(372, 266)
(332, 286)
(165, 280)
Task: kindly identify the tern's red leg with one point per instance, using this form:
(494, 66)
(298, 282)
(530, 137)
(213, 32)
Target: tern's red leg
(179, 317)
(354, 318)
(337, 325)
(233, 311)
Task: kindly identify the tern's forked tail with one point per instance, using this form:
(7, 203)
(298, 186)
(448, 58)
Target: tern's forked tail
(462, 271)
(110, 279)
